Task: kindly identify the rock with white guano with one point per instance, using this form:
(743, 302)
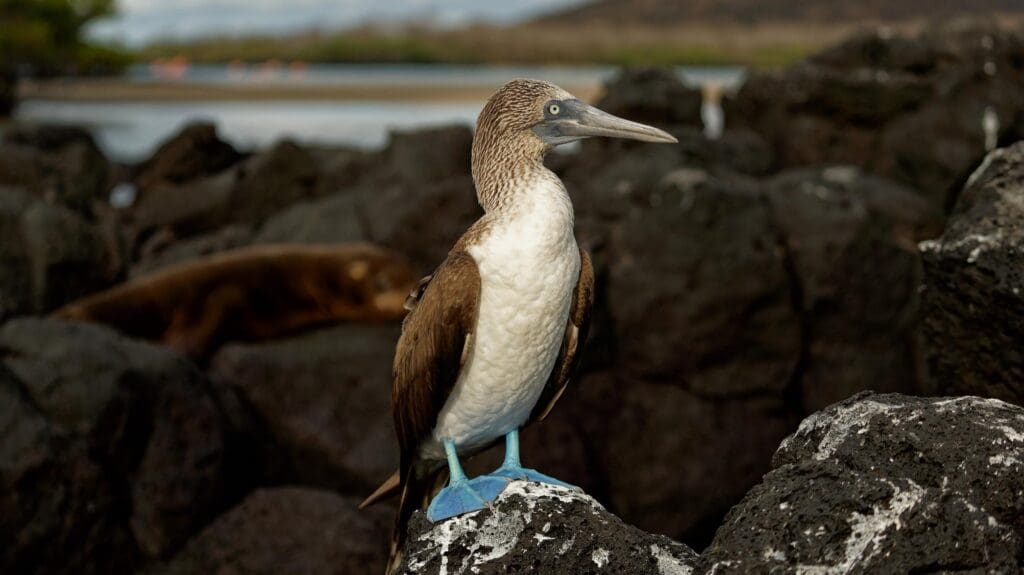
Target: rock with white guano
(973, 295)
(542, 529)
(886, 484)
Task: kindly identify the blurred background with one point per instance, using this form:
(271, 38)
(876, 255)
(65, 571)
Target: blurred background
(177, 398)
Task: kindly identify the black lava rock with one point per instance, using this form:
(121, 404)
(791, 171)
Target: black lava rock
(974, 286)
(536, 528)
(886, 484)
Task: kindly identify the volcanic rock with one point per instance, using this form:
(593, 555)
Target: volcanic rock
(922, 111)
(886, 484)
(974, 286)
(195, 152)
(288, 531)
(137, 417)
(537, 528)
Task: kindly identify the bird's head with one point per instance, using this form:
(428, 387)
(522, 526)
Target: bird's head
(539, 115)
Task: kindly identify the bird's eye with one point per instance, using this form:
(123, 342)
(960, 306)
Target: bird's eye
(554, 109)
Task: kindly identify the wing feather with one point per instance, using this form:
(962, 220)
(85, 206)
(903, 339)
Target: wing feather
(430, 351)
(575, 336)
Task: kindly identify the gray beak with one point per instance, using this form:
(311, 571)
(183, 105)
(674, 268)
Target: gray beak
(577, 120)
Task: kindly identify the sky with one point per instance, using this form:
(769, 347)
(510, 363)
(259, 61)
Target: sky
(142, 21)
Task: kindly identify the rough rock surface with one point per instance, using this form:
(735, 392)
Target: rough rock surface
(850, 242)
(922, 111)
(8, 90)
(886, 484)
(319, 405)
(98, 412)
(49, 254)
(652, 96)
(58, 164)
(193, 153)
(288, 531)
(249, 192)
(536, 528)
(974, 286)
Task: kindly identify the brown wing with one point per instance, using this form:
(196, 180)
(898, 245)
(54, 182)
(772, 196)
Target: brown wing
(575, 336)
(430, 351)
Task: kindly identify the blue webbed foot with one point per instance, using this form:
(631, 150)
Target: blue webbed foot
(516, 472)
(465, 496)
(512, 469)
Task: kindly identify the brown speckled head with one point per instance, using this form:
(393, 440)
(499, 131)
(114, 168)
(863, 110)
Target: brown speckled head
(522, 121)
(505, 148)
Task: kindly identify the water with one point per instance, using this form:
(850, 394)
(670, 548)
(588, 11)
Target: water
(131, 131)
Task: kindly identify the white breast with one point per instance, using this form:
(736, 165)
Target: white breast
(529, 265)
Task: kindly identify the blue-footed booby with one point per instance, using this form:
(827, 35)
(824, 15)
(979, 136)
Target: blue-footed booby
(494, 334)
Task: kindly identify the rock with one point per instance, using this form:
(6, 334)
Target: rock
(291, 531)
(974, 286)
(193, 153)
(51, 255)
(319, 404)
(8, 91)
(179, 252)
(677, 484)
(922, 111)
(424, 155)
(654, 96)
(334, 219)
(58, 510)
(886, 483)
(248, 193)
(421, 222)
(291, 194)
(60, 165)
(141, 414)
(851, 244)
(540, 528)
(710, 307)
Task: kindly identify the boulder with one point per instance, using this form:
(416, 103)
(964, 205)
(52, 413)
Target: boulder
(539, 528)
(656, 450)
(698, 288)
(8, 91)
(652, 95)
(288, 531)
(850, 241)
(886, 483)
(974, 286)
(920, 110)
(318, 405)
(415, 196)
(59, 511)
(194, 152)
(248, 193)
(50, 253)
(60, 165)
(139, 417)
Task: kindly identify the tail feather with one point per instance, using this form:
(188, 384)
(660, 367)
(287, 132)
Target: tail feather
(387, 489)
(420, 482)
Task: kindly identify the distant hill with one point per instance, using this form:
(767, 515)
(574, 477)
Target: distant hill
(672, 12)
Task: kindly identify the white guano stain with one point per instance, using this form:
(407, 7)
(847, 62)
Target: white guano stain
(868, 531)
(668, 564)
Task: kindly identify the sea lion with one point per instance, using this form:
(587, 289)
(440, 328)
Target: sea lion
(252, 294)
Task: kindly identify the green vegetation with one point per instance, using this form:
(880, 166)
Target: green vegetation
(45, 36)
(525, 44)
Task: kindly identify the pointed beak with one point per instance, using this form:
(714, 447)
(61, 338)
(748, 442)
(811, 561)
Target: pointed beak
(594, 122)
(579, 120)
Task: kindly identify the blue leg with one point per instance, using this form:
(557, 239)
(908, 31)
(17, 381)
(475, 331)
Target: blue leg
(513, 469)
(463, 495)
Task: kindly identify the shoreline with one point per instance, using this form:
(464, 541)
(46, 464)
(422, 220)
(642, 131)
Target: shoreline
(121, 90)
